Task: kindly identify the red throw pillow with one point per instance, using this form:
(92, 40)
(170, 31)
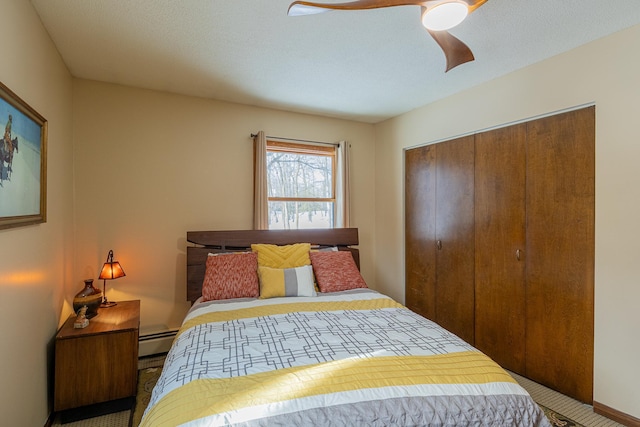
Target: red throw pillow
(231, 276)
(336, 271)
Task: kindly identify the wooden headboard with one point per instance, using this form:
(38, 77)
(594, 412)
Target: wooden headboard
(205, 242)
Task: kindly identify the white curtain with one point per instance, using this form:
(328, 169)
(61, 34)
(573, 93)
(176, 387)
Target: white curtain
(260, 192)
(343, 196)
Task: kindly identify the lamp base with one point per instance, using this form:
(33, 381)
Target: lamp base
(108, 304)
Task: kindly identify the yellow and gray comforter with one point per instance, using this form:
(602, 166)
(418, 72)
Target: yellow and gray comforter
(354, 358)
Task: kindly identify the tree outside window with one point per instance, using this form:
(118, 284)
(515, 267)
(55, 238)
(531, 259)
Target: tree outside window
(301, 185)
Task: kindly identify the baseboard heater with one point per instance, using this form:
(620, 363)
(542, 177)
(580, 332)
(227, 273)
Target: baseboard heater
(156, 343)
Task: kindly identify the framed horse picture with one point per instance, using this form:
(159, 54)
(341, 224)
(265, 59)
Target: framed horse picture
(23, 162)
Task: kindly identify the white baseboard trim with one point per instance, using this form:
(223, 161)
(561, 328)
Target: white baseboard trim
(156, 343)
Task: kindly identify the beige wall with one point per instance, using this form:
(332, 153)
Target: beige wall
(36, 262)
(604, 72)
(150, 166)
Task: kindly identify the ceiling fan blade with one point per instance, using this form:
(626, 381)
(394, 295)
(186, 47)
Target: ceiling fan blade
(298, 8)
(455, 51)
(474, 4)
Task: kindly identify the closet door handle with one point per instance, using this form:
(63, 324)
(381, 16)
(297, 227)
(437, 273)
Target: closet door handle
(439, 244)
(518, 254)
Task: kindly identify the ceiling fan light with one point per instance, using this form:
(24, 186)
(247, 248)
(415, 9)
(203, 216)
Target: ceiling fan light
(445, 15)
(296, 9)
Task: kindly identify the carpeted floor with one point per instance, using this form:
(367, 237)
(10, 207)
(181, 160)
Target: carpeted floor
(565, 411)
(581, 413)
(146, 380)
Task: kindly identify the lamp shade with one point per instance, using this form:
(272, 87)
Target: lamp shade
(111, 269)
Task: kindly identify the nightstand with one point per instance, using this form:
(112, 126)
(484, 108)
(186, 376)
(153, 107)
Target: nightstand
(96, 367)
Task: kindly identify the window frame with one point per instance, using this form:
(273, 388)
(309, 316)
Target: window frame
(300, 148)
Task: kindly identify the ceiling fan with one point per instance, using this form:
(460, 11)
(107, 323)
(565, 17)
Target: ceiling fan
(437, 17)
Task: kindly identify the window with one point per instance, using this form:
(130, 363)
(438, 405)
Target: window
(301, 185)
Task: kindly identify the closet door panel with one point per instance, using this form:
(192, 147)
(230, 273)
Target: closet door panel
(560, 252)
(455, 237)
(420, 220)
(500, 243)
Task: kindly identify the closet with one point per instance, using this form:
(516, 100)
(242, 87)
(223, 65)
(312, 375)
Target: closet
(499, 233)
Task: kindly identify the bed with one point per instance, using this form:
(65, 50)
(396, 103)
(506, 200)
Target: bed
(319, 350)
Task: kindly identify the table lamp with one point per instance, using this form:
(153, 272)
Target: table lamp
(110, 270)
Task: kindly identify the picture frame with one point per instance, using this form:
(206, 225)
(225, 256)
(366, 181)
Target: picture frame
(23, 162)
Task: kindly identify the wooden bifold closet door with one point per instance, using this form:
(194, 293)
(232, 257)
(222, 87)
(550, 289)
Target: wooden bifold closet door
(500, 244)
(500, 225)
(560, 252)
(420, 230)
(439, 234)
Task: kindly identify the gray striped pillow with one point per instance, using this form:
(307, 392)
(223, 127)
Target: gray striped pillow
(286, 282)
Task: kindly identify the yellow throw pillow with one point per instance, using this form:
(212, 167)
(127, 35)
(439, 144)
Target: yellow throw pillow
(287, 256)
(286, 282)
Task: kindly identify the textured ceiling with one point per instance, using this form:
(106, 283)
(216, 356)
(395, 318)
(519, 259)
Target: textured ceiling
(364, 65)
